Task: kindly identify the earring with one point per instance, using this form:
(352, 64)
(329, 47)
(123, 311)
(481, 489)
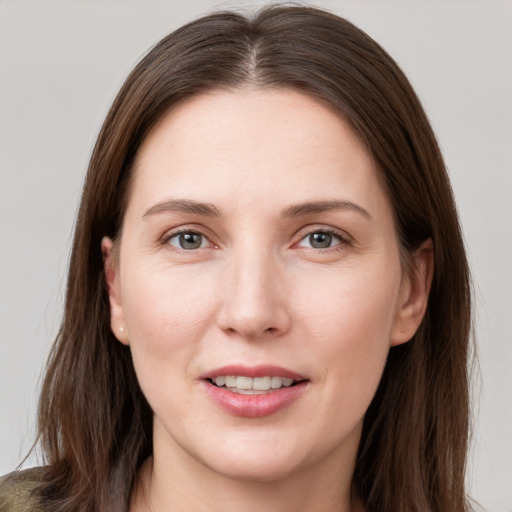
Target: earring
(121, 329)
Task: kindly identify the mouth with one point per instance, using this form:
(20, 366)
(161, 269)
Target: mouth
(252, 385)
(254, 391)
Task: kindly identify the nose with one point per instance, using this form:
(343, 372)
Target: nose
(254, 304)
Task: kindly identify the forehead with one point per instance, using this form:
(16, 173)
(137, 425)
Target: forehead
(248, 144)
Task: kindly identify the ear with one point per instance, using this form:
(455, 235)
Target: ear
(414, 293)
(111, 266)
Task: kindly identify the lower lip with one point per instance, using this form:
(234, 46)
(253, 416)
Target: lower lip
(254, 406)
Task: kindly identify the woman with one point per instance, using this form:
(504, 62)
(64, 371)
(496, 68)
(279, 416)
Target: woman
(268, 301)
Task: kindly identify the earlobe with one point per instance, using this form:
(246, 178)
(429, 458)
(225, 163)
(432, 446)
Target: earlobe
(111, 266)
(414, 294)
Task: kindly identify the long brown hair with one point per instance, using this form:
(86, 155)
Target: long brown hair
(95, 426)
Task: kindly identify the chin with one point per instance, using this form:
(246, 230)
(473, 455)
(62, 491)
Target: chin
(261, 471)
(257, 462)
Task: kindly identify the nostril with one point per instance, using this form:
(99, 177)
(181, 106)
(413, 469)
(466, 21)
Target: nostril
(253, 320)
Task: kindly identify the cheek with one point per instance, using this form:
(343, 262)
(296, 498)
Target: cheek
(350, 323)
(167, 316)
(162, 301)
(165, 335)
(351, 304)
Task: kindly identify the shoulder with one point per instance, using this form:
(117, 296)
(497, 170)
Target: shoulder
(16, 491)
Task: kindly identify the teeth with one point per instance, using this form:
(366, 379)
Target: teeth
(276, 383)
(242, 383)
(220, 381)
(230, 382)
(261, 383)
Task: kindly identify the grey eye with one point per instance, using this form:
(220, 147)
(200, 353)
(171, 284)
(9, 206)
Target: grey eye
(189, 240)
(320, 240)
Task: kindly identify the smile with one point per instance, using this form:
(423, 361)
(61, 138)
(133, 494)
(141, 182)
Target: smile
(252, 386)
(254, 391)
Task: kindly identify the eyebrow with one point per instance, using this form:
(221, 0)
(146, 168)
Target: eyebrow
(210, 210)
(183, 206)
(313, 208)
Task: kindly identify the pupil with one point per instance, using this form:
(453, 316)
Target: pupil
(190, 240)
(320, 240)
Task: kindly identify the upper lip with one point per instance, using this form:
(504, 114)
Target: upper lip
(262, 370)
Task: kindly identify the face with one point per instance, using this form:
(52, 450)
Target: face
(258, 284)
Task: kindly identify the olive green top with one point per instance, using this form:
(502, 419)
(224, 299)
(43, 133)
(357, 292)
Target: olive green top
(16, 491)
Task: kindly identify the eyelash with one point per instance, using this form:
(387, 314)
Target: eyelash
(169, 236)
(344, 240)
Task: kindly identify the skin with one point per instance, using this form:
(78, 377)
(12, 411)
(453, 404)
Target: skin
(258, 291)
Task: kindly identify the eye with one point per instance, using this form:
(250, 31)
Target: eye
(320, 240)
(188, 240)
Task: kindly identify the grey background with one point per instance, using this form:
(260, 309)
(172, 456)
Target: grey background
(61, 64)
